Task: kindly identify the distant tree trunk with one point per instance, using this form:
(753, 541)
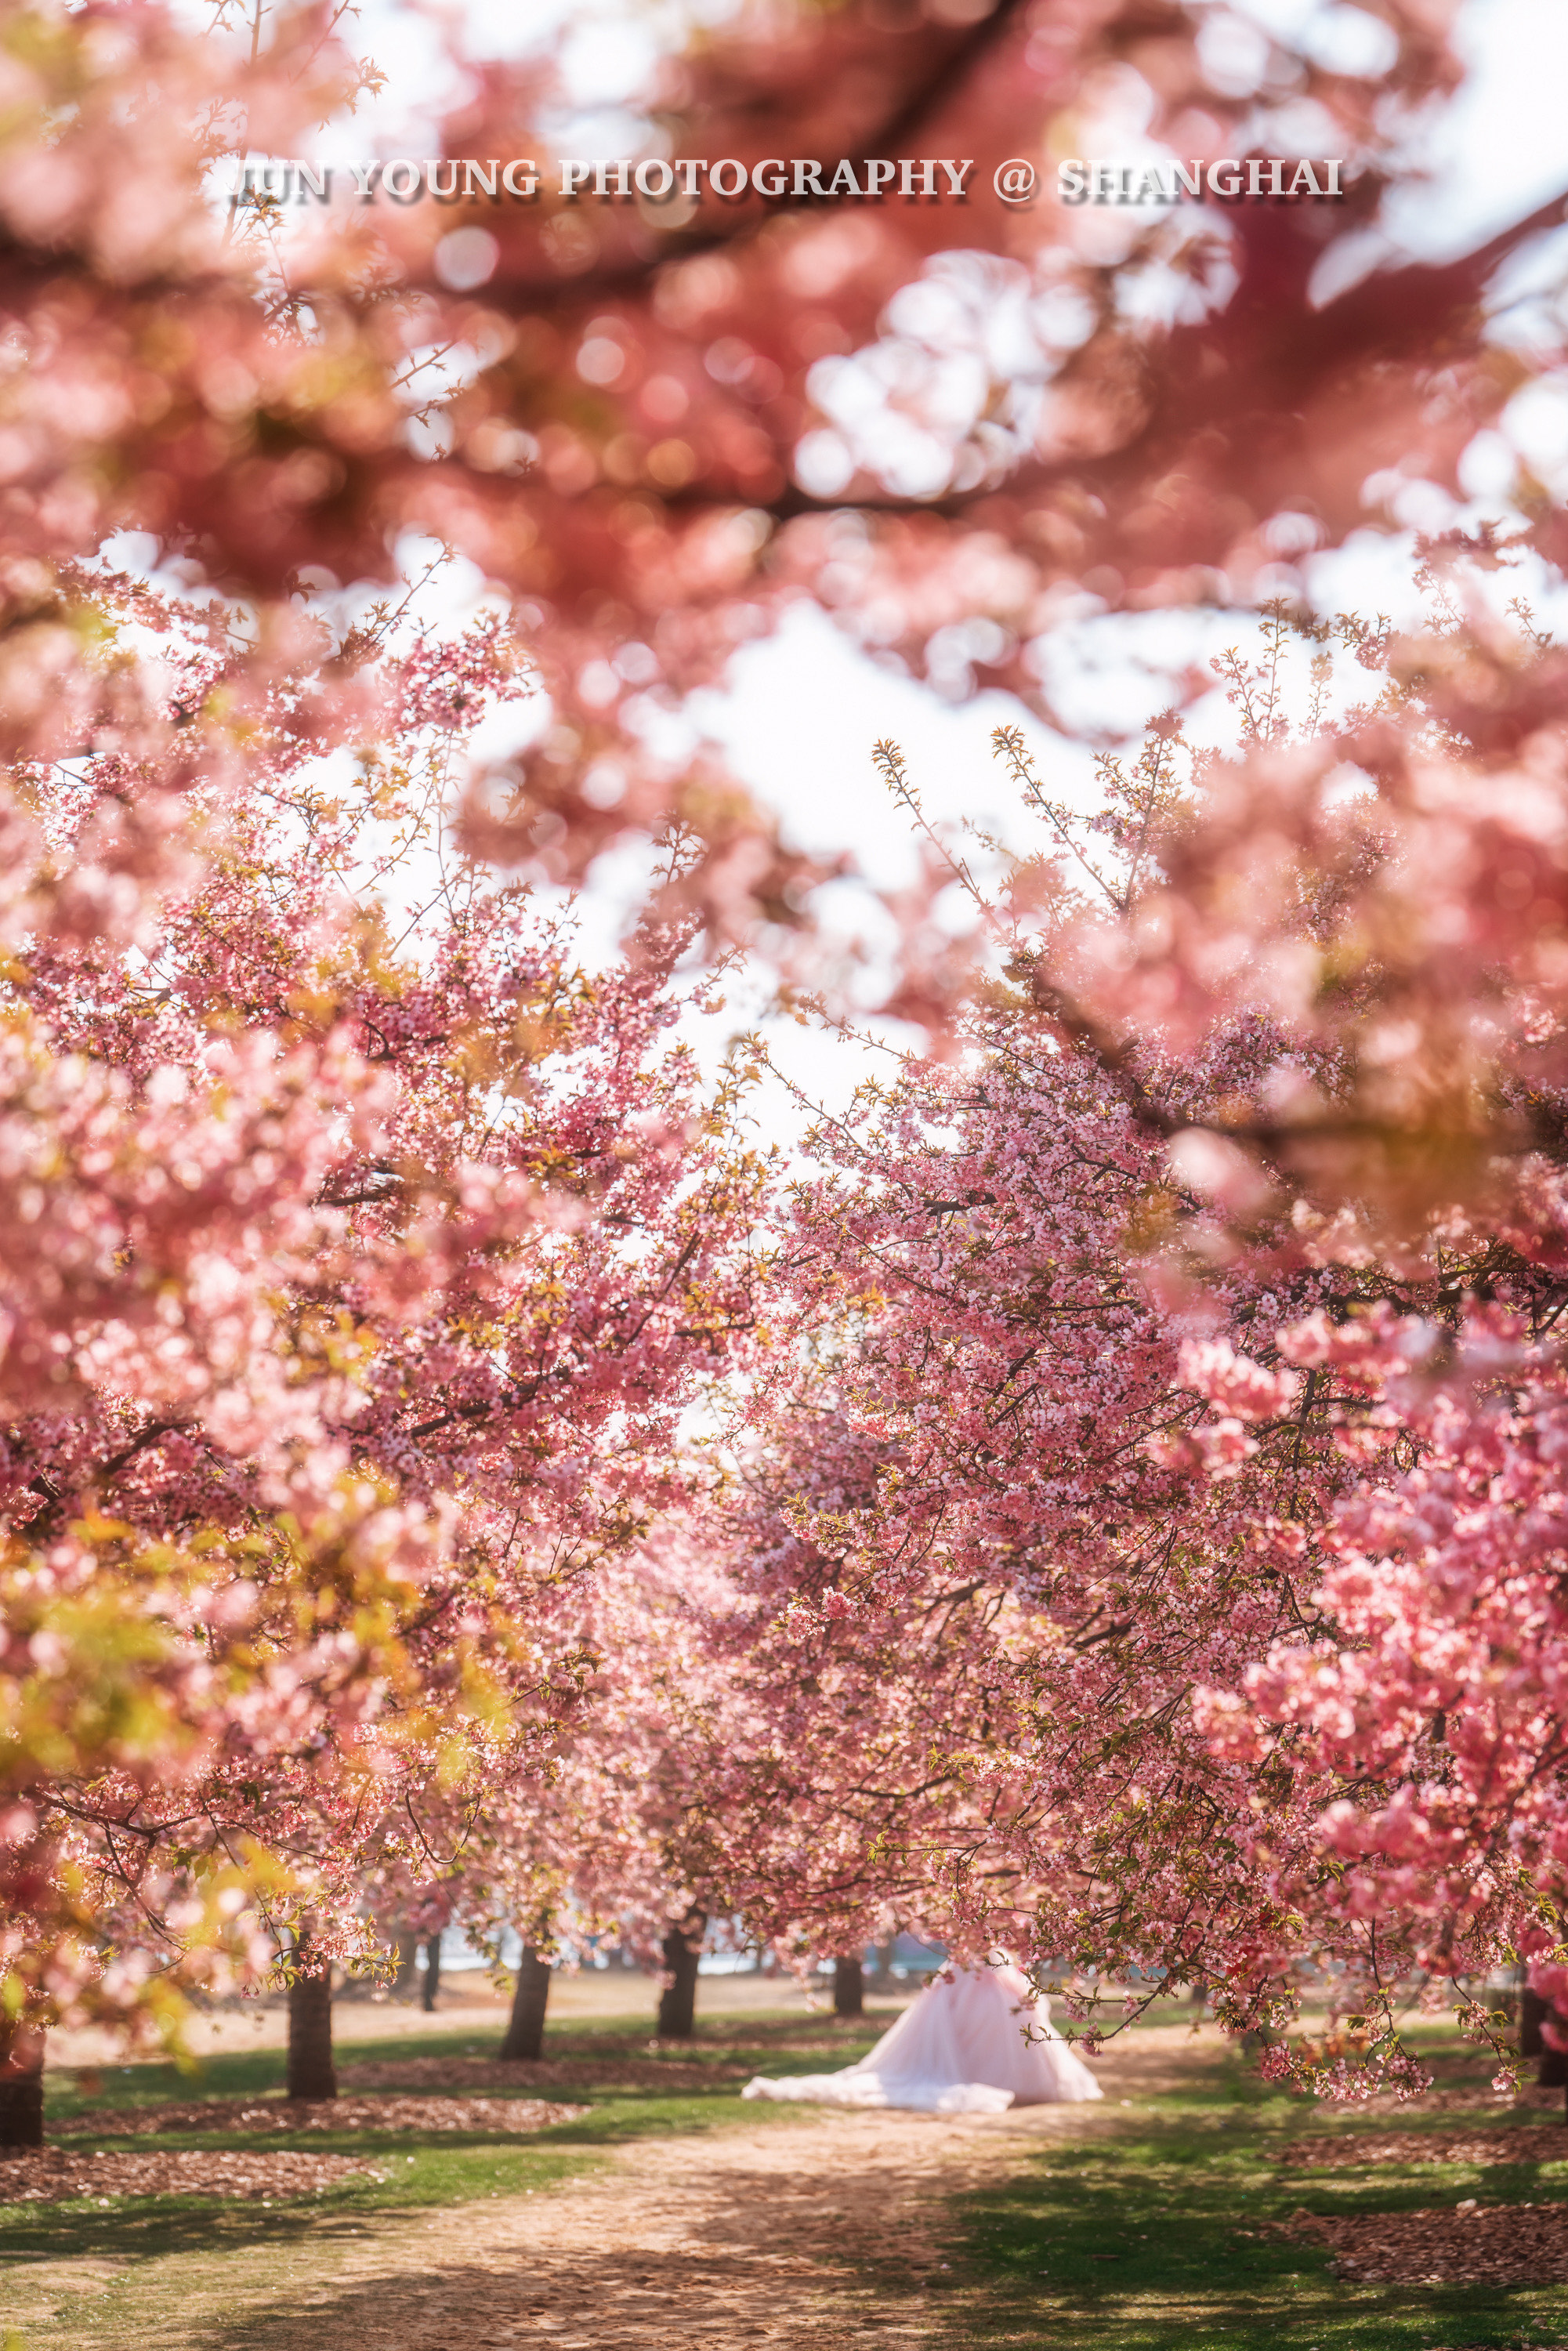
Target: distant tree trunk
(1532, 2012)
(407, 1956)
(882, 1971)
(526, 2032)
(1551, 2073)
(678, 2001)
(311, 2074)
(432, 1971)
(21, 2089)
(849, 1987)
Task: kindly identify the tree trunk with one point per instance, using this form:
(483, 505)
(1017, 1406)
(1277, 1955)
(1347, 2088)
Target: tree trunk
(678, 2001)
(311, 2074)
(849, 1987)
(882, 1970)
(432, 1972)
(526, 2032)
(1533, 2010)
(21, 2089)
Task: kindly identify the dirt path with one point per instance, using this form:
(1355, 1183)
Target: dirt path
(798, 2234)
(827, 2231)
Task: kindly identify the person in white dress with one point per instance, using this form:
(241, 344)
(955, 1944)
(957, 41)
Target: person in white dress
(960, 2048)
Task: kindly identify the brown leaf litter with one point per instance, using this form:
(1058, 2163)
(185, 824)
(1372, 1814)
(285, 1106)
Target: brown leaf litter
(510, 2115)
(719, 2060)
(52, 2175)
(1475, 2098)
(1469, 2244)
(1542, 2144)
(638, 2070)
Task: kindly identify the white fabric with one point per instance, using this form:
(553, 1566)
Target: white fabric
(959, 2049)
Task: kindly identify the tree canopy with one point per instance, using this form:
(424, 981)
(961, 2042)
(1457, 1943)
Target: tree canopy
(1106, 1501)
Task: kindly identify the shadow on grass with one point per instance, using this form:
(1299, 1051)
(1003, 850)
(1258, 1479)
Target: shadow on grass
(1157, 2235)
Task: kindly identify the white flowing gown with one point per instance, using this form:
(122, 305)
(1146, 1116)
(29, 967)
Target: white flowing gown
(959, 2049)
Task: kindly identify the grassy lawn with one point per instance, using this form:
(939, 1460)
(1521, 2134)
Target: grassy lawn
(1134, 2226)
(1145, 2237)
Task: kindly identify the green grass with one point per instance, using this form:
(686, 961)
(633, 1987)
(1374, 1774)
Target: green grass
(1143, 2237)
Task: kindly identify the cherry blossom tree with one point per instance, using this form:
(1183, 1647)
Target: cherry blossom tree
(591, 1844)
(1148, 1532)
(1399, 941)
(982, 1558)
(362, 1250)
